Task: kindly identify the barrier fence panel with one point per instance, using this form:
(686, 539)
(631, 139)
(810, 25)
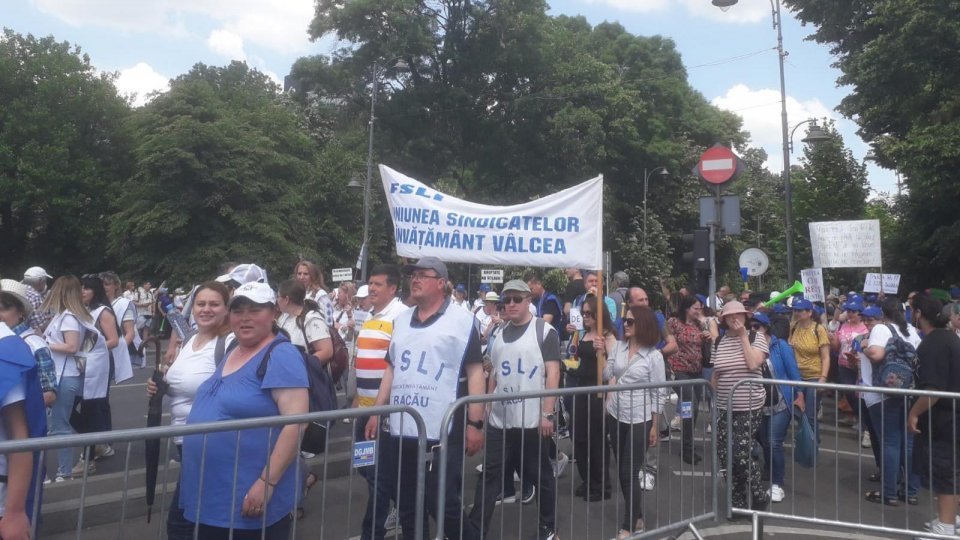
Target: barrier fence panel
(860, 468)
(588, 473)
(222, 455)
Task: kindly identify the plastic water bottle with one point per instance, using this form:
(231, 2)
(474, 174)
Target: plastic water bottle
(176, 319)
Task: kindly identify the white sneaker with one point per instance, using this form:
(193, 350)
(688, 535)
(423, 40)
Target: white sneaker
(676, 423)
(392, 520)
(776, 493)
(939, 528)
(865, 440)
(647, 481)
(560, 464)
(927, 525)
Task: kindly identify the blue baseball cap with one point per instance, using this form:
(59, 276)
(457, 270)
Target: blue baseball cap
(702, 299)
(762, 319)
(871, 298)
(780, 308)
(854, 305)
(800, 304)
(484, 287)
(955, 293)
(872, 312)
(819, 310)
(461, 287)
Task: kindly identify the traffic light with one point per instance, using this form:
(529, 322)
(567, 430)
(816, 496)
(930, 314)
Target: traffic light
(699, 242)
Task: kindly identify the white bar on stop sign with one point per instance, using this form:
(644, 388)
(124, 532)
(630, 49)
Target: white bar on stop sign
(717, 165)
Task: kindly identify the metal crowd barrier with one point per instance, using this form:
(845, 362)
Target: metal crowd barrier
(684, 494)
(125, 527)
(832, 493)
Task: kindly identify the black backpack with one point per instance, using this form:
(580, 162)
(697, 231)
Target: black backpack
(322, 395)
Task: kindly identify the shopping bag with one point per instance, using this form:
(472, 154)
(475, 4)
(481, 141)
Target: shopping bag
(804, 443)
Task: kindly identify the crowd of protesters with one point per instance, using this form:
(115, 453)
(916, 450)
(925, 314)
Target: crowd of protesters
(245, 358)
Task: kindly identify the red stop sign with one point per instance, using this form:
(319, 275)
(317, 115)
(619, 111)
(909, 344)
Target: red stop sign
(718, 164)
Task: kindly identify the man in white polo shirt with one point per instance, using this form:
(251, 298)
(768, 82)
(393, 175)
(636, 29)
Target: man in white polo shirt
(526, 357)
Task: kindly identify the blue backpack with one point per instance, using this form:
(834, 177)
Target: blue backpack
(899, 363)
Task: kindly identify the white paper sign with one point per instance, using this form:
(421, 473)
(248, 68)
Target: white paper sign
(812, 279)
(846, 244)
(576, 318)
(564, 229)
(491, 275)
(890, 283)
(342, 274)
(873, 283)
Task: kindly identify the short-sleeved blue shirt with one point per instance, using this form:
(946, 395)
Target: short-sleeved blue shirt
(236, 396)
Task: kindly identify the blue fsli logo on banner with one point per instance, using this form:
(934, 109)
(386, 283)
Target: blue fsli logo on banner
(364, 453)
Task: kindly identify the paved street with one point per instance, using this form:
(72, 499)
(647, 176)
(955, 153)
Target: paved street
(834, 490)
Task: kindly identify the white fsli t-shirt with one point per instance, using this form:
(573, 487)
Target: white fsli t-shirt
(518, 366)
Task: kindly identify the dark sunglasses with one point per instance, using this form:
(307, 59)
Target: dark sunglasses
(512, 299)
(756, 326)
(628, 322)
(587, 314)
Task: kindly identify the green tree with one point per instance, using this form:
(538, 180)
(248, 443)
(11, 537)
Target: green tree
(63, 152)
(504, 103)
(899, 58)
(225, 172)
(829, 185)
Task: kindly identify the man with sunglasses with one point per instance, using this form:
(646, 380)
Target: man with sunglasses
(434, 357)
(526, 357)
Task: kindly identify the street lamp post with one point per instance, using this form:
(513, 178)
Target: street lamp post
(784, 129)
(375, 73)
(646, 181)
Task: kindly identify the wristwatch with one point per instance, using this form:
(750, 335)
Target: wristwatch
(548, 415)
(475, 423)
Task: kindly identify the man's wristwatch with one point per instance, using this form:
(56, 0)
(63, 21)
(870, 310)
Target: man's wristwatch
(547, 415)
(475, 423)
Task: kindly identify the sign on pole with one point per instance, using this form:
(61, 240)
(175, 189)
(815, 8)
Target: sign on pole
(717, 165)
(755, 261)
(812, 279)
(846, 244)
(342, 274)
(491, 275)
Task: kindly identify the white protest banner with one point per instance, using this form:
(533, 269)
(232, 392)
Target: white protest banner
(890, 283)
(342, 274)
(812, 279)
(873, 283)
(846, 244)
(491, 275)
(560, 230)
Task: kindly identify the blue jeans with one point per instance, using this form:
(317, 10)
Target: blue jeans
(897, 447)
(773, 430)
(59, 424)
(811, 398)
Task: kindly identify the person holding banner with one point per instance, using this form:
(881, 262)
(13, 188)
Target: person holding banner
(590, 452)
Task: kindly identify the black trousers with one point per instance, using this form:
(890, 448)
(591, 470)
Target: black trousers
(400, 465)
(630, 443)
(529, 451)
(589, 450)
